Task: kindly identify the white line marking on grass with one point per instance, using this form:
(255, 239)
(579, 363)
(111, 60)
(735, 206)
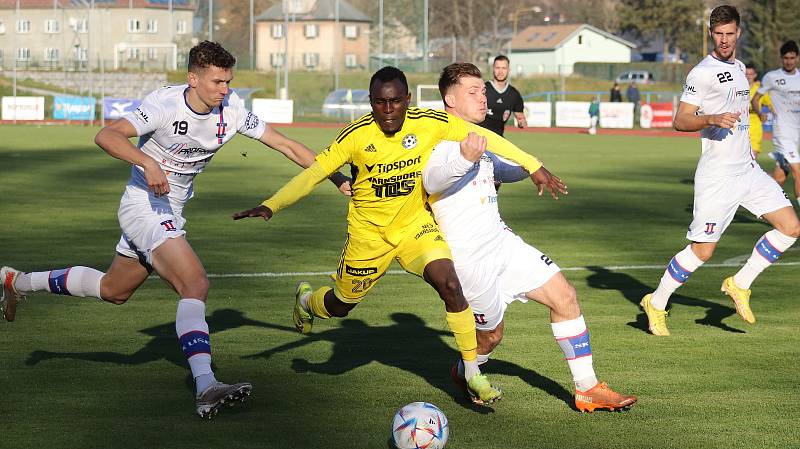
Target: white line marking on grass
(290, 274)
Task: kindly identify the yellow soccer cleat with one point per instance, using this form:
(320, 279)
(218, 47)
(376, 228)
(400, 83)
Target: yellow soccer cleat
(601, 396)
(656, 319)
(481, 391)
(741, 298)
(300, 316)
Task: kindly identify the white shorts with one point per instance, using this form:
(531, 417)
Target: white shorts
(788, 147)
(147, 221)
(717, 199)
(494, 282)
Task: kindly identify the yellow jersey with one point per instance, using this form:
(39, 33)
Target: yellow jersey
(763, 101)
(387, 185)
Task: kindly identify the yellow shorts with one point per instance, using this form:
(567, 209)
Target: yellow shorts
(365, 260)
(756, 133)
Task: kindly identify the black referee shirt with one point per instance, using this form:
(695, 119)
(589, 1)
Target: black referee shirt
(500, 106)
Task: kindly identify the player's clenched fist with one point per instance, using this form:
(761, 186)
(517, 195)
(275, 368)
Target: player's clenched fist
(473, 147)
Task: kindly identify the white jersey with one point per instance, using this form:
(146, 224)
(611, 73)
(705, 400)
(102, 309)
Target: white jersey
(183, 141)
(717, 87)
(464, 200)
(784, 91)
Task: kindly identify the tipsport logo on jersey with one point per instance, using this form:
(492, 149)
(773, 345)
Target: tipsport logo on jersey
(398, 185)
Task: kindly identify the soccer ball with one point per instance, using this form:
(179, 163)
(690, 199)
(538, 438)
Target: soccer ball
(420, 425)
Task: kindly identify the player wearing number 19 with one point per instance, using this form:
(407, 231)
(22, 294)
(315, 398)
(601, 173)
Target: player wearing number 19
(180, 128)
(716, 102)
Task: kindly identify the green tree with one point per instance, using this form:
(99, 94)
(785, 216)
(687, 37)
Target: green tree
(767, 24)
(679, 22)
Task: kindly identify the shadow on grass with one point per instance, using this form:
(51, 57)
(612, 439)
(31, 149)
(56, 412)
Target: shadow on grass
(633, 290)
(409, 345)
(163, 346)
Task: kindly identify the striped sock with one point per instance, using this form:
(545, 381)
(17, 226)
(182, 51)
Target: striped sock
(73, 281)
(680, 268)
(767, 250)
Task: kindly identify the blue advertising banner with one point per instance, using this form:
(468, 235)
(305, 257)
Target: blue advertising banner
(114, 108)
(73, 108)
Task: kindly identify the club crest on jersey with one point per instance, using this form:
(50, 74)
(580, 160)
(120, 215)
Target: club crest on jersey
(409, 141)
(710, 228)
(506, 114)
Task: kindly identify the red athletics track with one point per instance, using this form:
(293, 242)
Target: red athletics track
(663, 132)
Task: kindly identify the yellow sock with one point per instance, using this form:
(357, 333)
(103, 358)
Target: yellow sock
(463, 326)
(316, 304)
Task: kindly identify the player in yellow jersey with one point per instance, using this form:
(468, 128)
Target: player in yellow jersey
(387, 217)
(756, 129)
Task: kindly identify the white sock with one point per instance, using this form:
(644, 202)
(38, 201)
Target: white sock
(471, 369)
(483, 358)
(680, 268)
(74, 281)
(573, 337)
(767, 250)
(192, 330)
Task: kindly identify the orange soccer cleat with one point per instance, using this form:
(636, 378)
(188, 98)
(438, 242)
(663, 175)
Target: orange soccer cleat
(603, 397)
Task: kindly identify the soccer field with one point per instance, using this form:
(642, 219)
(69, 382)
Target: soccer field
(78, 373)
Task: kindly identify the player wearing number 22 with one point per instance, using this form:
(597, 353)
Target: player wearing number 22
(716, 102)
(387, 217)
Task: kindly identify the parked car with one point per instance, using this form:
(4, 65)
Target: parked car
(346, 104)
(637, 76)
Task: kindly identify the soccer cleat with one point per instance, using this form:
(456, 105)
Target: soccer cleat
(740, 297)
(601, 396)
(459, 380)
(481, 391)
(656, 319)
(302, 319)
(11, 296)
(213, 397)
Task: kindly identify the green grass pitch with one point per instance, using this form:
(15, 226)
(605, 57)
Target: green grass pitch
(78, 373)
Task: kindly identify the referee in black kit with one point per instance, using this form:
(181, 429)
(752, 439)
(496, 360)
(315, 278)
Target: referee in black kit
(502, 99)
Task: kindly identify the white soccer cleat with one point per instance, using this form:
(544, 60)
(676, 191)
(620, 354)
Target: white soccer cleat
(11, 296)
(213, 397)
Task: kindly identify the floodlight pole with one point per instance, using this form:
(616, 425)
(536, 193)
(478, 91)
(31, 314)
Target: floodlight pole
(380, 33)
(285, 95)
(336, 46)
(252, 26)
(425, 35)
(211, 20)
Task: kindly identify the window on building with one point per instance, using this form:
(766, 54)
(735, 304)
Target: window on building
(310, 60)
(133, 54)
(51, 54)
(277, 31)
(152, 53)
(580, 39)
(23, 54)
(2, 27)
(79, 24)
(180, 27)
(276, 59)
(52, 26)
(350, 60)
(23, 26)
(311, 31)
(351, 31)
(152, 26)
(134, 26)
(81, 54)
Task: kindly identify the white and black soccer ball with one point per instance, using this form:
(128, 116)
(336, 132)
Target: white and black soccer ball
(420, 425)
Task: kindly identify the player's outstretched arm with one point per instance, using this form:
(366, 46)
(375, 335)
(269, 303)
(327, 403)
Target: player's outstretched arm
(686, 119)
(114, 140)
(296, 189)
(302, 156)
